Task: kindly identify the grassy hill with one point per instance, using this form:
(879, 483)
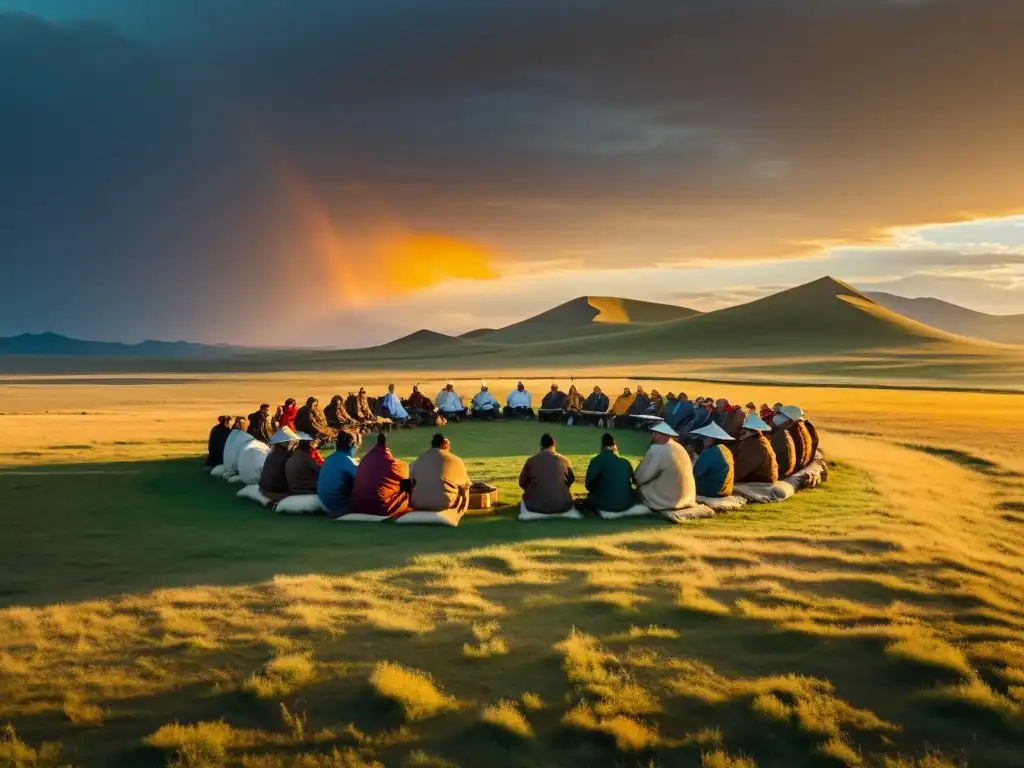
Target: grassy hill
(476, 333)
(586, 315)
(1006, 329)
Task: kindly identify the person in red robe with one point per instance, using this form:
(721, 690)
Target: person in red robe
(286, 414)
(420, 407)
(382, 483)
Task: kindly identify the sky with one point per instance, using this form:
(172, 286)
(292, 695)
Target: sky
(337, 172)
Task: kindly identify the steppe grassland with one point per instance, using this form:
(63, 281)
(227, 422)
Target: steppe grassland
(875, 621)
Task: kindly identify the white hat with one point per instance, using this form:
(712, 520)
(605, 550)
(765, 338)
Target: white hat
(756, 423)
(713, 431)
(284, 435)
(665, 429)
(792, 412)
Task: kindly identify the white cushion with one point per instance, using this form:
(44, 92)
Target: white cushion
(356, 517)
(722, 503)
(764, 493)
(250, 462)
(235, 479)
(301, 504)
(635, 511)
(689, 513)
(526, 516)
(253, 493)
(217, 471)
(237, 440)
(449, 517)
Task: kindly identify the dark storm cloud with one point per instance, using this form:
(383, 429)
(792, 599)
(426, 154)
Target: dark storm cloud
(141, 176)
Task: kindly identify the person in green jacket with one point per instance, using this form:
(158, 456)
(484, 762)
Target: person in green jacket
(610, 484)
(714, 470)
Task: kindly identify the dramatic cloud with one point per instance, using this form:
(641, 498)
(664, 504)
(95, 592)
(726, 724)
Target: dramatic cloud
(181, 171)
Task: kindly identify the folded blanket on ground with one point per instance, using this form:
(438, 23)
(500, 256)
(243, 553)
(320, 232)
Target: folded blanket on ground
(690, 513)
(449, 517)
(722, 503)
(302, 504)
(253, 493)
(526, 516)
(764, 493)
(636, 510)
(356, 517)
(811, 476)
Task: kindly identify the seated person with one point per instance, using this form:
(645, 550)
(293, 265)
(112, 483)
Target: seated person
(766, 413)
(621, 407)
(392, 407)
(215, 445)
(338, 475)
(519, 404)
(713, 472)
(553, 403)
(546, 480)
(750, 410)
(815, 440)
(573, 405)
(732, 421)
(664, 477)
(260, 426)
(381, 486)
(439, 479)
(485, 406)
(610, 484)
(680, 415)
(310, 419)
(285, 416)
(420, 408)
(641, 402)
(596, 405)
(235, 443)
(803, 446)
(337, 414)
(362, 412)
(667, 405)
(702, 415)
(302, 470)
(753, 457)
(273, 478)
(449, 403)
(782, 444)
(656, 404)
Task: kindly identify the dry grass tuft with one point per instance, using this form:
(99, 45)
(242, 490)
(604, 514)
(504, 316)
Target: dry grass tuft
(14, 753)
(505, 716)
(532, 701)
(771, 706)
(629, 734)
(281, 675)
(693, 599)
(344, 758)
(826, 714)
(420, 759)
(489, 642)
(652, 631)
(722, 759)
(931, 760)
(838, 748)
(930, 651)
(80, 712)
(203, 745)
(414, 691)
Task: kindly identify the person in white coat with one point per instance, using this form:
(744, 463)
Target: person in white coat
(449, 403)
(519, 404)
(485, 405)
(665, 475)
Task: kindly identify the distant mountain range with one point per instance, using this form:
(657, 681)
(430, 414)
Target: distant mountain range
(53, 344)
(1006, 329)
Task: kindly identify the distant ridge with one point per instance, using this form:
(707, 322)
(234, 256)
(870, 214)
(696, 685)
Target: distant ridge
(50, 344)
(419, 340)
(1006, 329)
(587, 315)
(477, 333)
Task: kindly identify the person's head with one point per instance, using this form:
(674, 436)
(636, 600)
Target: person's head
(290, 401)
(520, 386)
(659, 438)
(336, 399)
(440, 441)
(709, 404)
(608, 442)
(346, 444)
(764, 407)
(751, 408)
(415, 388)
(241, 423)
(655, 393)
(449, 387)
(780, 419)
(547, 442)
(683, 396)
(382, 440)
(597, 390)
(224, 420)
(311, 401)
(671, 396)
(699, 402)
(362, 391)
(307, 446)
(640, 389)
(483, 387)
(777, 407)
(572, 388)
(626, 392)
(554, 387)
(391, 388)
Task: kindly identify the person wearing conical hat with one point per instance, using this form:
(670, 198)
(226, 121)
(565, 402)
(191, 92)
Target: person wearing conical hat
(791, 418)
(485, 405)
(713, 472)
(664, 477)
(302, 469)
(753, 458)
(273, 478)
(782, 445)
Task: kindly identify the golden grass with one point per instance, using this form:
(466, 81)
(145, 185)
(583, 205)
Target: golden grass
(281, 675)
(506, 717)
(532, 701)
(721, 759)
(15, 753)
(839, 749)
(414, 691)
(930, 651)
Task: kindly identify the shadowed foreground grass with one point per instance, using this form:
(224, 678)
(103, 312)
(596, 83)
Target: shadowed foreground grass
(152, 619)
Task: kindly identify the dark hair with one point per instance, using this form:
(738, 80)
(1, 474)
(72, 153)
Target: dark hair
(310, 400)
(345, 441)
(382, 439)
(290, 401)
(607, 440)
(223, 420)
(265, 407)
(546, 440)
(437, 440)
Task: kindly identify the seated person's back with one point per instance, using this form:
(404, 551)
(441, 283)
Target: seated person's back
(439, 478)
(546, 480)
(381, 484)
(273, 478)
(337, 476)
(302, 470)
(610, 484)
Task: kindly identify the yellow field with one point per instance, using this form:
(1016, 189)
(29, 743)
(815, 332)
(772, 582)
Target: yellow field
(877, 622)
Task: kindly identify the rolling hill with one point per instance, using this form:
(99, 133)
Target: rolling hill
(1006, 329)
(54, 344)
(586, 315)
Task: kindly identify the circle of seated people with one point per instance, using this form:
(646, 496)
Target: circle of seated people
(706, 457)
